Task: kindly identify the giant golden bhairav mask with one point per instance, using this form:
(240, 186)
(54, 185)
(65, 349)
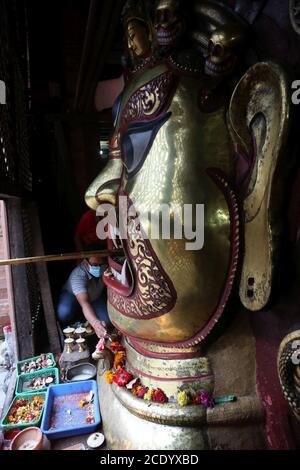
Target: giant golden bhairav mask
(168, 149)
(181, 139)
(173, 294)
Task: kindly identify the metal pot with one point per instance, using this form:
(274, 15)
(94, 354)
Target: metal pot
(81, 372)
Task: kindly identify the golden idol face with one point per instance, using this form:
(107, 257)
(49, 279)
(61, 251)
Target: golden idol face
(161, 290)
(138, 38)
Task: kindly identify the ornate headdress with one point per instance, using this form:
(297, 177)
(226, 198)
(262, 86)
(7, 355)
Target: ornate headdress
(136, 10)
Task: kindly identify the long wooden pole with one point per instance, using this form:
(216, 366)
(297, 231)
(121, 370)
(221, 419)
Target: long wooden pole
(61, 257)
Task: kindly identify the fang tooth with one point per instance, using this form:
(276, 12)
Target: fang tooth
(115, 242)
(123, 273)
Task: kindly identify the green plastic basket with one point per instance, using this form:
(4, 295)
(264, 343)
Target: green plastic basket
(26, 396)
(22, 379)
(20, 363)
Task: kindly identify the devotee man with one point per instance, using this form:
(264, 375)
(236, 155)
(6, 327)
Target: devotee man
(84, 295)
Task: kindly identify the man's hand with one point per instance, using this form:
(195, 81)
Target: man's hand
(90, 315)
(100, 328)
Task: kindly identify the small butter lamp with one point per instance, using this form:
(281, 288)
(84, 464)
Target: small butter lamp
(81, 344)
(80, 332)
(69, 332)
(69, 342)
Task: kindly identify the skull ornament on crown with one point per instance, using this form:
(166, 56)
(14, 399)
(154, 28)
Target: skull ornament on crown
(224, 46)
(169, 24)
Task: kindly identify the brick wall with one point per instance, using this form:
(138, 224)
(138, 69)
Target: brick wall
(4, 294)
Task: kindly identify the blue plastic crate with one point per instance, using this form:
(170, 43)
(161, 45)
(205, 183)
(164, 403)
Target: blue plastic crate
(70, 428)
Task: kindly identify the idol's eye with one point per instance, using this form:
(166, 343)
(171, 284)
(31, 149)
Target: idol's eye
(137, 143)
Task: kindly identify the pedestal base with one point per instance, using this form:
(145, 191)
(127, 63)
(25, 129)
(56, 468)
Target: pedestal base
(130, 423)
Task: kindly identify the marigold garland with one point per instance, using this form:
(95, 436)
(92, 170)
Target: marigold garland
(142, 392)
(135, 391)
(158, 396)
(119, 359)
(116, 346)
(183, 398)
(109, 376)
(120, 376)
(148, 394)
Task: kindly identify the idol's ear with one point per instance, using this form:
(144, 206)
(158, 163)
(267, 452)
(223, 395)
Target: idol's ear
(288, 366)
(258, 120)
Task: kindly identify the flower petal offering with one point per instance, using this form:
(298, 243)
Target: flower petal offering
(26, 410)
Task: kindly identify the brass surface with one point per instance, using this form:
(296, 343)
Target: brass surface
(289, 373)
(259, 109)
(171, 5)
(106, 185)
(215, 15)
(162, 413)
(168, 426)
(81, 345)
(154, 348)
(126, 431)
(69, 342)
(227, 39)
(173, 375)
(175, 173)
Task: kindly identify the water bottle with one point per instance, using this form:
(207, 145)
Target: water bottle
(8, 336)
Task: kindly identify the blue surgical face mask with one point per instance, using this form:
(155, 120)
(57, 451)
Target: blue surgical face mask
(95, 270)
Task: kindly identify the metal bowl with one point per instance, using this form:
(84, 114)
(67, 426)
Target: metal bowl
(81, 372)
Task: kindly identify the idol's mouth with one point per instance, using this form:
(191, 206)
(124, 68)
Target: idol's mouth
(169, 37)
(138, 286)
(216, 69)
(118, 275)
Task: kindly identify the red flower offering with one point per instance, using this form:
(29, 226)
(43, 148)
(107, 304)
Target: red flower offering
(159, 396)
(196, 400)
(122, 377)
(116, 346)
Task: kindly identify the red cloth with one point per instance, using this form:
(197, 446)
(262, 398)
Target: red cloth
(86, 229)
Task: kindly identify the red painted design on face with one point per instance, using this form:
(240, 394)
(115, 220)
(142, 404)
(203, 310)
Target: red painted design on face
(145, 290)
(150, 101)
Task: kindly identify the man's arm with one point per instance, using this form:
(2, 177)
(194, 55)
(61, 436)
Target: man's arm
(90, 314)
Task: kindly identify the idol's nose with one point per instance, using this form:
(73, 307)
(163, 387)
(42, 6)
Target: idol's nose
(105, 187)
